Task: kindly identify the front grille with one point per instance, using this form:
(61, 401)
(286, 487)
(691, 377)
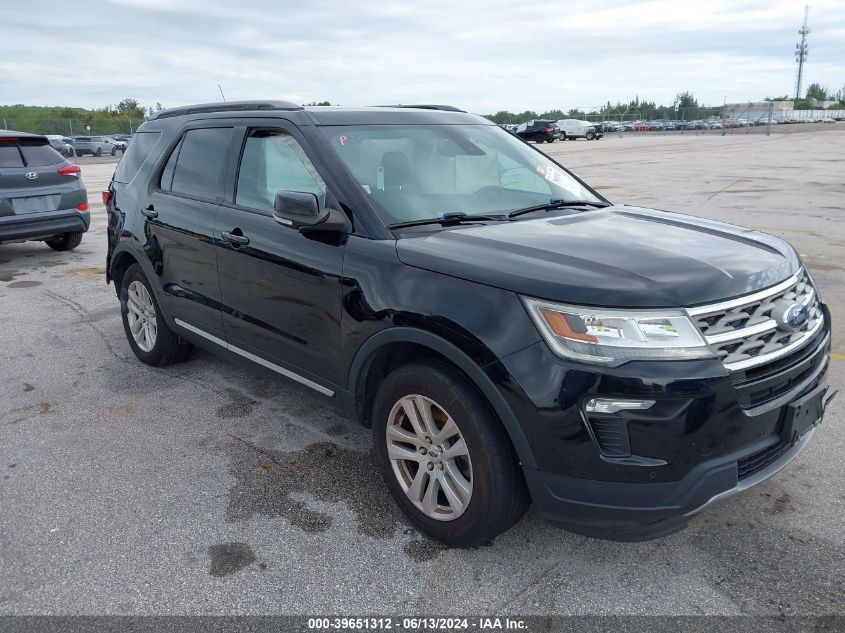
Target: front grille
(759, 460)
(744, 333)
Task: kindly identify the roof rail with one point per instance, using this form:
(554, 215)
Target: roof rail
(226, 106)
(425, 106)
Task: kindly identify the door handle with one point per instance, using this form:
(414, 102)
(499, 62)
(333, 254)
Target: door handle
(234, 239)
(150, 212)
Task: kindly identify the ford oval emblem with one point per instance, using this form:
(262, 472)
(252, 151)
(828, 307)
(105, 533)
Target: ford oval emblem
(32, 175)
(793, 317)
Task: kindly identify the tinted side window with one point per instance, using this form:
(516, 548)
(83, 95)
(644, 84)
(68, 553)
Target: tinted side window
(199, 167)
(135, 155)
(273, 161)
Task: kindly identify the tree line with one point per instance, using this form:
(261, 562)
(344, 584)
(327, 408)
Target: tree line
(128, 114)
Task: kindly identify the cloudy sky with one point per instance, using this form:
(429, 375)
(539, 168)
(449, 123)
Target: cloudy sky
(480, 55)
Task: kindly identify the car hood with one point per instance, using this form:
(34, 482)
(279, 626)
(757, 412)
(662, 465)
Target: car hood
(619, 256)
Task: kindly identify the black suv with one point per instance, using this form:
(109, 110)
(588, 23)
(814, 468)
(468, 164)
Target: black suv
(41, 195)
(537, 130)
(508, 334)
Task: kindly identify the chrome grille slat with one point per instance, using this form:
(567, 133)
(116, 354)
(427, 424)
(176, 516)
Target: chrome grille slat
(743, 332)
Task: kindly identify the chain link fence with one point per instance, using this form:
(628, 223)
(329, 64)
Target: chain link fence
(73, 127)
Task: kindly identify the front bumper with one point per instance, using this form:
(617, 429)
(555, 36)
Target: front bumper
(35, 226)
(708, 437)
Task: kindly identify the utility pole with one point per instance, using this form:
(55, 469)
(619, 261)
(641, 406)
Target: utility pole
(801, 52)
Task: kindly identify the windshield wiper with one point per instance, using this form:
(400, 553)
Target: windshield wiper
(448, 219)
(558, 204)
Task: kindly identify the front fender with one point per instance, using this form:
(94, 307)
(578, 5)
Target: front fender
(462, 361)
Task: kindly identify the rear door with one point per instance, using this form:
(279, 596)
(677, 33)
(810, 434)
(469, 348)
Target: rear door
(178, 217)
(30, 180)
(280, 288)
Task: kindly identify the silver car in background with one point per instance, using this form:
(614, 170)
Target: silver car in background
(94, 145)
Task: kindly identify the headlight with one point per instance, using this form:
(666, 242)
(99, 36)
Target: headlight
(612, 337)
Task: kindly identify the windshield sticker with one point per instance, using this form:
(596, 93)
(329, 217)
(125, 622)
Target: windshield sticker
(342, 138)
(551, 174)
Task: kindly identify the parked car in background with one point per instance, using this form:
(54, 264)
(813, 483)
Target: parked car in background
(669, 126)
(42, 197)
(715, 125)
(537, 130)
(575, 128)
(94, 145)
(766, 120)
(828, 119)
(120, 145)
(60, 144)
(610, 127)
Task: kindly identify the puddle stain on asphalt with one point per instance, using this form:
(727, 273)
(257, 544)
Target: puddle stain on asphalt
(30, 412)
(119, 411)
(749, 558)
(8, 276)
(239, 406)
(265, 481)
(229, 558)
(423, 550)
(92, 273)
(23, 284)
(28, 387)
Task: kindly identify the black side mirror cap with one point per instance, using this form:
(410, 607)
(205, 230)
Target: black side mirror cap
(301, 211)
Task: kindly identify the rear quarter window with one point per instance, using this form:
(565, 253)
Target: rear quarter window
(135, 155)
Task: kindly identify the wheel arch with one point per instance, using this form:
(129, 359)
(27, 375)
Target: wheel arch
(390, 348)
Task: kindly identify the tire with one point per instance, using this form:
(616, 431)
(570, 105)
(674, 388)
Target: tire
(78, 153)
(563, 136)
(491, 495)
(551, 140)
(157, 345)
(539, 140)
(66, 241)
(590, 135)
(113, 151)
(98, 153)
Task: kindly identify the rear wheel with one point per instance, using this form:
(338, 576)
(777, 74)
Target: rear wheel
(98, 153)
(152, 341)
(78, 153)
(445, 457)
(563, 136)
(113, 151)
(66, 241)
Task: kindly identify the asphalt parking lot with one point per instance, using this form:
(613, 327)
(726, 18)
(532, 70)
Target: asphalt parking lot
(208, 488)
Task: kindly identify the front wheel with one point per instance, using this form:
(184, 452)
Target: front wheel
(78, 153)
(98, 153)
(445, 457)
(65, 241)
(152, 341)
(591, 135)
(113, 151)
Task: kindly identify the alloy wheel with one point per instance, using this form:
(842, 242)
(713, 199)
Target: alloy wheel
(141, 316)
(430, 458)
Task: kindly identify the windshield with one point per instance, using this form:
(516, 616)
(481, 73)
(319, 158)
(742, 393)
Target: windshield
(419, 172)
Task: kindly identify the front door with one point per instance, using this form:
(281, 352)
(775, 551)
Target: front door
(281, 289)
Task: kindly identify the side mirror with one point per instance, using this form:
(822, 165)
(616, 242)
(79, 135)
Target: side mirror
(301, 211)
